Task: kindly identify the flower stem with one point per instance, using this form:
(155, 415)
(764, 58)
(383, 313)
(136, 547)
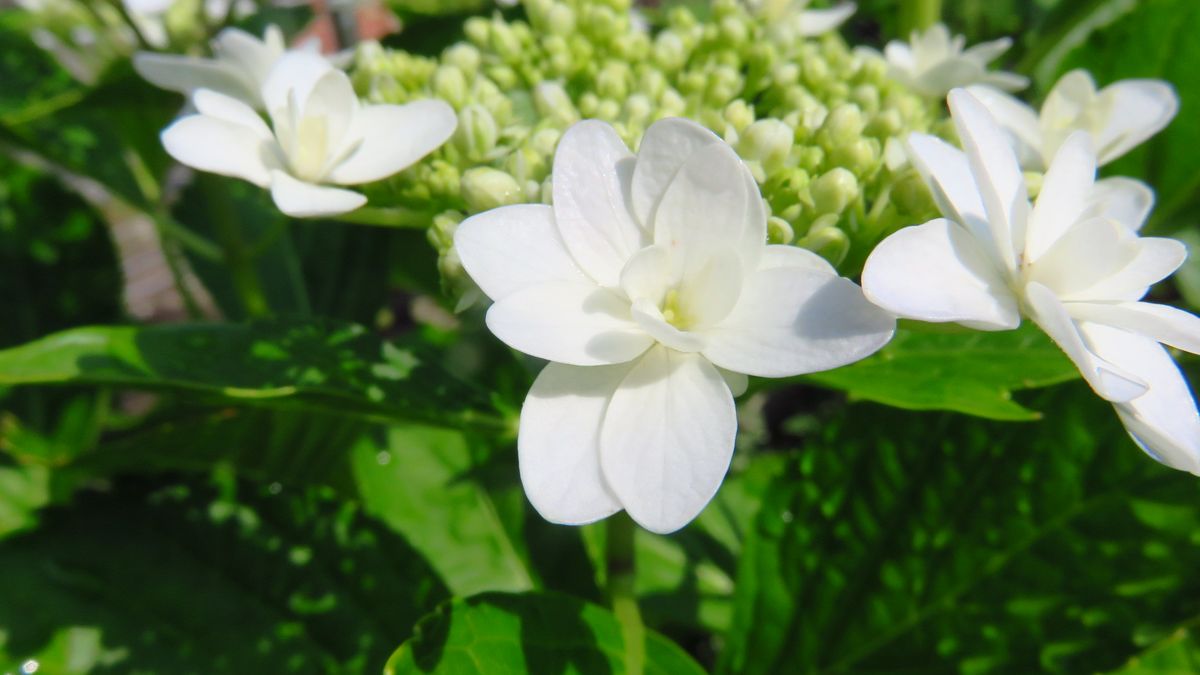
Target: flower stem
(919, 14)
(238, 255)
(394, 216)
(621, 573)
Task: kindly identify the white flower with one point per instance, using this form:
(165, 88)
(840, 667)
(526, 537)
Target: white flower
(1119, 117)
(239, 68)
(1073, 263)
(650, 288)
(935, 62)
(319, 134)
(793, 18)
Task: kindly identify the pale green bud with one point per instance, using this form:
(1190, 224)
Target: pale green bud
(504, 76)
(651, 82)
(910, 194)
(861, 155)
(598, 21)
(608, 110)
(450, 85)
(767, 141)
(486, 188)
(886, 124)
(779, 231)
(560, 20)
(670, 53)
(724, 83)
(613, 80)
(544, 141)
(463, 56)
(672, 104)
(552, 102)
(478, 30)
(834, 191)
(638, 110)
(739, 114)
(477, 132)
(504, 42)
(826, 240)
(734, 30)
(441, 235)
(844, 125)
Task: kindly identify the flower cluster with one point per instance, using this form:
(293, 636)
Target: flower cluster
(816, 137)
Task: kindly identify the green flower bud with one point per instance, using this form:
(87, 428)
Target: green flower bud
(779, 231)
(910, 194)
(552, 102)
(766, 141)
(450, 85)
(670, 53)
(486, 188)
(560, 20)
(724, 83)
(844, 125)
(504, 42)
(504, 76)
(545, 141)
(834, 191)
(613, 80)
(477, 133)
(826, 240)
(739, 115)
(478, 30)
(463, 56)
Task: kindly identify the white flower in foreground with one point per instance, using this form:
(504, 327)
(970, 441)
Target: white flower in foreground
(319, 134)
(795, 19)
(650, 288)
(1073, 263)
(934, 62)
(1119, 117)
(239, 68)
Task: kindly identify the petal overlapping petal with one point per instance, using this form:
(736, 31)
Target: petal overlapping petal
(1162, 323)
(219, 146)
(1137, 109)
(790, 321)
(947, 172)
(393, 137)
(578, 323)
(514, 247)
(666, 145)
(592, 201)
(1124, 200)
(299, 199)
(558, 445)
(667, 438)
(185, 74)
(938, 272)
(1066, 189)
(1018, 119)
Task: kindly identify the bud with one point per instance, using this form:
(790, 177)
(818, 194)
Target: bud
(450, 85)
(463, 56)
(911, 195)
(504, 76)
(767, 141)
(843, 126)
(505, 42)
(552, 102)
(779, 231)
(670, 53)
(834, 191)
(826, 240)
(477, 133)
(560, 20)
(478, 30)
(638, 110)
(613, 80)
(485, 188)
(739, 115)
(724, 83)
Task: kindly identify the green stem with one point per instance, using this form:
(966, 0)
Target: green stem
(238, 256)
(919, 14)
(621, 574)
(395, 216)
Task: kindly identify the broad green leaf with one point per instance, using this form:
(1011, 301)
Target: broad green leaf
(314, 365)
(185, 578)
(940, 543)
(497, 633)
(1175, 654)
(968, 372)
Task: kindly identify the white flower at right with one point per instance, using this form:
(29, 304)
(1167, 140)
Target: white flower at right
(1073, 263)
(934, 62)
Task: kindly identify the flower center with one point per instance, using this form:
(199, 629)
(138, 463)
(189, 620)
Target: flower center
(672, 310)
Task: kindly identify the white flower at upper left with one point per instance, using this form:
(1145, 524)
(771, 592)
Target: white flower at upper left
(650, 288)
(319, 134)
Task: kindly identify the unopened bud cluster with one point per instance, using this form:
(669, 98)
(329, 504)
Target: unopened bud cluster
(819, 123)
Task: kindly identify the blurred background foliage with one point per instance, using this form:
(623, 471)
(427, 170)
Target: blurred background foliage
(304, 495)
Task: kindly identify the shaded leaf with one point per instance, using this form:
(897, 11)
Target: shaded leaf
(497, 633)
(967, 372)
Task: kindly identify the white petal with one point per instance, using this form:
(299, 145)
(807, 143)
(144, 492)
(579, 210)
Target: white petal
(1018, 119)
(295, 71)
(514, 247)
(667, 438)
(1124, 200)
(704, 210)
(754, 234)
(996, 171)
(790, 321)
(648, 275)
(737, 382)
(666, 145)
(592, 171)
(1137, 109)
(780, 255)
(708, 294)
(947, 172)
(558, 445)
(1155, 260)
(1110, 381)
(393, 137)
(218, 146)
(1088, 253)
(186, 74)
(333, 101)
(305, 200)
(938, 272)
(253, 56)
(1163, 421)
(577, 323)
(1163, 323)
(214, 104)
(1066, 188)
(985, 52)
(820, 21)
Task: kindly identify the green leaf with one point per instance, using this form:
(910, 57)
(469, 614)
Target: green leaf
(191, 579)
(967, 372)
(934, 542)
(498, 633)
(315, 365)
